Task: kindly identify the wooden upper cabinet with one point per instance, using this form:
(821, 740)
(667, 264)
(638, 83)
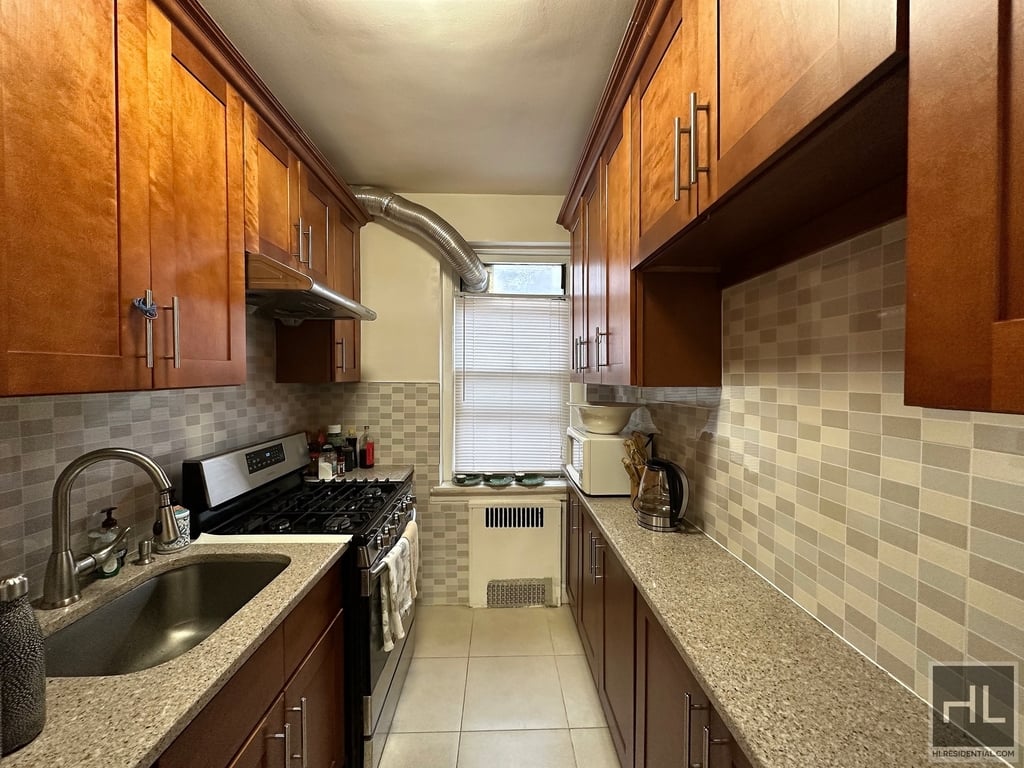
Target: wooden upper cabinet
(965, 222)
(595, 307)
(317, 207)
(783, 65)
(615, 355)
(74, 217)
(272, 193)
(578, 291)
(327, 351)
(673, 97)
(197, 214)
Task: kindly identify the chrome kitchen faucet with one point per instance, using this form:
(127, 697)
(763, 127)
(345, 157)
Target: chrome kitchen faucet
(60, 587)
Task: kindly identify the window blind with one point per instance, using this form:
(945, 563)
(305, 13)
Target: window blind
(511, 376)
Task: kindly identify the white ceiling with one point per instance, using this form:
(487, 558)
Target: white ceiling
(470, 96)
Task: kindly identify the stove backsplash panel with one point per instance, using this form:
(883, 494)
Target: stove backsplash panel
(900, 528)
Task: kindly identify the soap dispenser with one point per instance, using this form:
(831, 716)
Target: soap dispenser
(109, 531)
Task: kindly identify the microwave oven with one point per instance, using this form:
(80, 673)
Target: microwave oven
(594, 463)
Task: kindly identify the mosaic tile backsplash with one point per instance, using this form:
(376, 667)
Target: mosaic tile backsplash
(900, 528)
(40, 435)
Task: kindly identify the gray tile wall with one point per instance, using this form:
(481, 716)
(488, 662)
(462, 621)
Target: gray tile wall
(40, 435)
(900, 528)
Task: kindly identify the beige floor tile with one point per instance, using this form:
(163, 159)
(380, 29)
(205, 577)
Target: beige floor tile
(443, 631)
(510, 632)
(421, 750)
(565, 639)
(504, 694)
(517, 749)
(593, 747)
(582, 707)
(432, 697)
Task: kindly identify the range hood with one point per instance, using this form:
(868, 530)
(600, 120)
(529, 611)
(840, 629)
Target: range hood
(277, 290)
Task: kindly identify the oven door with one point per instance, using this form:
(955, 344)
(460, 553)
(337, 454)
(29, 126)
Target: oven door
(387, 670)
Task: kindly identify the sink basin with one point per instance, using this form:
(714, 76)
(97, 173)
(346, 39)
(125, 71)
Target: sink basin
(157, 620)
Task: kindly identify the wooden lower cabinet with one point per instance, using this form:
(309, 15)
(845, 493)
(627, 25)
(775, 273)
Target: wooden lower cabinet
(605, 599)
(573, 542)
(675, 723)
(294, 679)
(657, 714)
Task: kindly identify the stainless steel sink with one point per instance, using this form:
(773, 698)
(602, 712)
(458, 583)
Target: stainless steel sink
(158, 620)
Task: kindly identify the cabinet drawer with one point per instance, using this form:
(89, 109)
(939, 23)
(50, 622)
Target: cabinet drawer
(310, 619)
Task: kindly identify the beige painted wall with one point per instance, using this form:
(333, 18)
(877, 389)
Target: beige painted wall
(402, 281)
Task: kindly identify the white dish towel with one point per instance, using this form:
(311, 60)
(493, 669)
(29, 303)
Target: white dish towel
(412, 535)
(396, 573)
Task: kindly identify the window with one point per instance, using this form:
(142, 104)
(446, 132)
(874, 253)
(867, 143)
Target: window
(510, 362)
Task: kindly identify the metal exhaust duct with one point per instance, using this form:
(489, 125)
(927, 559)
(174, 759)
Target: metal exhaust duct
(429, 229)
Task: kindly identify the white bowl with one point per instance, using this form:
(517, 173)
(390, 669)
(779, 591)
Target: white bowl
(604, 419)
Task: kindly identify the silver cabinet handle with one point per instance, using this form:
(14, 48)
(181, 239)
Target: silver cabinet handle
(575, 349)
(592, 558)
(694, 133)
(688, 708)
(304, 735)
(676, 133)
(287, 736)
(299, 234)
(708, 743)
(149, 330)
(344, 355)
(176, 309)
(598, 574)
(597, 342)
(309, 246)
(607, 360)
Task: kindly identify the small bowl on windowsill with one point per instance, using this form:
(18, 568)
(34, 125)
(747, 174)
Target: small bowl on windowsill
(467, 481)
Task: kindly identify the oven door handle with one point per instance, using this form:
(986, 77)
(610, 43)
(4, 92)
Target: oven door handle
(378, 569)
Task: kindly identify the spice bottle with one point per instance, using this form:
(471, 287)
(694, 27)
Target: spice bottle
(366, 449)
(337, 440)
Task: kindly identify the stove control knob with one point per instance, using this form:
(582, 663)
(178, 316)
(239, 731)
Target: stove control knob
(387, 535)
(380, 541)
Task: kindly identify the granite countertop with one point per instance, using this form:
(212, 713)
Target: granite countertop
(129, 720)
(792, 692)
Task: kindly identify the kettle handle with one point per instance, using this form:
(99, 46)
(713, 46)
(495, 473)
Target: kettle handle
(679, 489)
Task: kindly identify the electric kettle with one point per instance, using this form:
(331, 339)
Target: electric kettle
(660, 503)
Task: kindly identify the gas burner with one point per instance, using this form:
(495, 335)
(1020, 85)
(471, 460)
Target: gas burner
(279, 525)
(373, 492)
(337, 524)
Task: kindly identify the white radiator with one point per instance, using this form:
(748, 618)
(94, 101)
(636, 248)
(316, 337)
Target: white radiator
(515, 552)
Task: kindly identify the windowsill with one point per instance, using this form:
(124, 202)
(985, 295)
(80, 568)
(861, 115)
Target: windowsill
(554, 486)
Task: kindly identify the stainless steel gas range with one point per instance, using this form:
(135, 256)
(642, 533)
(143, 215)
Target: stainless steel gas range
(259, 493)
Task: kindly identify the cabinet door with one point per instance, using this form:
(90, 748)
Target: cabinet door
(784, 64)
(314, 703)
(595, 305)
(578, 288)
(615, 351)
(573, 547)
(74, 217)
(272, 176)
(617, 681)
(661, 684)
(591, 596)
(317, 208)
(343, 272)
(965, 220)
(266, 746)
(197, 208)
(665, 200)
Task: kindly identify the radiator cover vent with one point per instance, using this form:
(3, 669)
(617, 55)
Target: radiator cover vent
(514, 517)
(515, 551)
(518, 593)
